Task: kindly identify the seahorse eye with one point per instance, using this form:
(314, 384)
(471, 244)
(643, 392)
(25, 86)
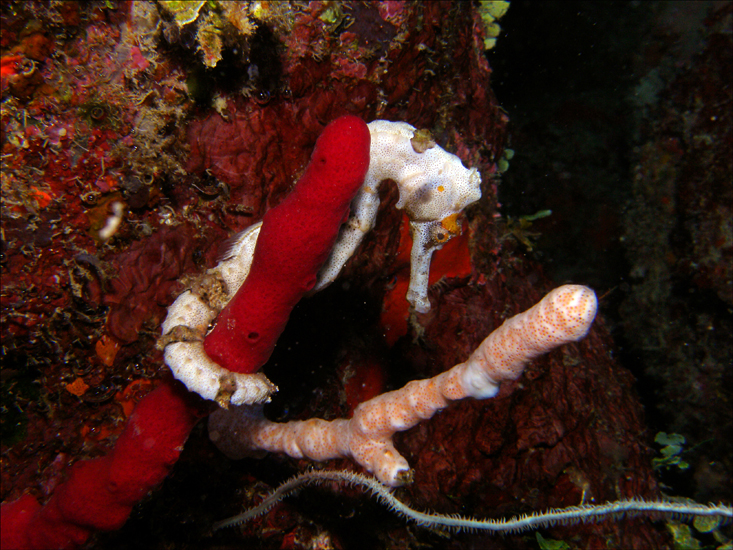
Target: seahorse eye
(438, 234)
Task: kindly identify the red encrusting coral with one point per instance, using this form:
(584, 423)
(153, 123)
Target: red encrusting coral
(100, 493)
(294, 242)
(296, 238)
(148, 273)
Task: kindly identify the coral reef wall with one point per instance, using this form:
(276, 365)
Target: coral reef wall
(679, 237)
(627, 118)
(136, 138)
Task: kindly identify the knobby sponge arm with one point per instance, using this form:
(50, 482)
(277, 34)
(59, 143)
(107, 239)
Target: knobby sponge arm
(561, 317)
(564, 315)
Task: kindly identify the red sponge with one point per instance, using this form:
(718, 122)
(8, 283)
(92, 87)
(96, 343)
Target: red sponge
(295, 240)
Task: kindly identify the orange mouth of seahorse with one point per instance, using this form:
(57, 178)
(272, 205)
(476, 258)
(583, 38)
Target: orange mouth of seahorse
(451, 224)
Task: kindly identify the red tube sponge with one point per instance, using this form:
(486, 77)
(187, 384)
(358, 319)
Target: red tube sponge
(100, 493)
(294, 242)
